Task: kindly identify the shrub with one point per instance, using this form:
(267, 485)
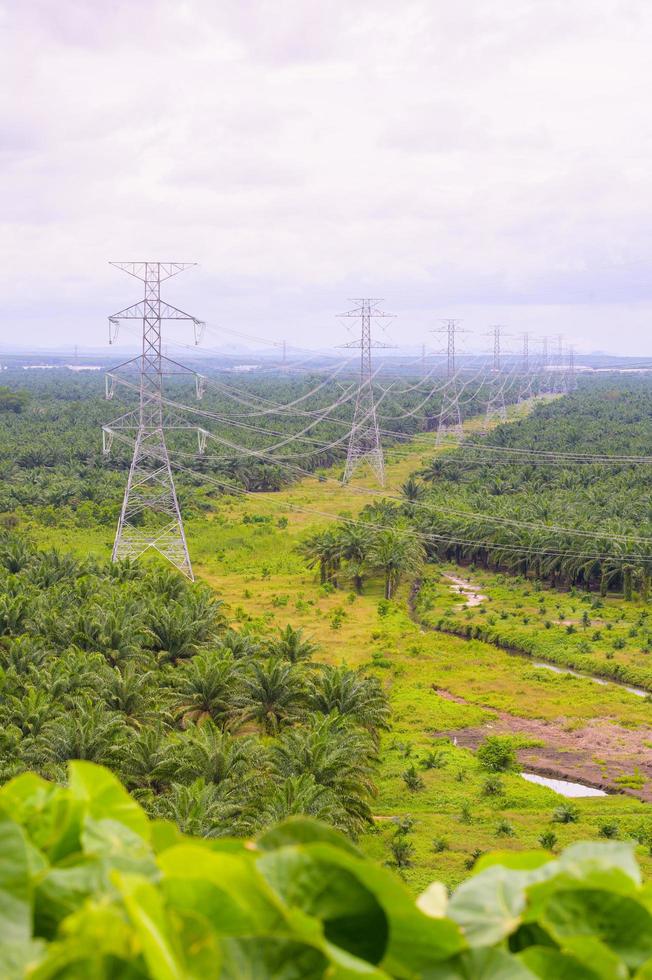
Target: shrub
(402, 851)
(548, 840)
(504, 829)
(497, 753)
(413, 780)
(493, 786)
(473, 859)
(440, 844)
(566, 813)
(609, 830)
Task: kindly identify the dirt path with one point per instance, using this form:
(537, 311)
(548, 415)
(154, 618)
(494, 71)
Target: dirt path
(596, 754)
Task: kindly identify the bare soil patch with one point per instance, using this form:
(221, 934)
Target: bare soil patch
(596, 754)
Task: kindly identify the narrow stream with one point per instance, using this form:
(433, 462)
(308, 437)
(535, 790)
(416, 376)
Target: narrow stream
(473, 597)
(638, 691)
(563, 786)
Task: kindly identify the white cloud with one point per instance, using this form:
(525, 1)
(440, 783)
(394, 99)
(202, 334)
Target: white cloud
(488, 156)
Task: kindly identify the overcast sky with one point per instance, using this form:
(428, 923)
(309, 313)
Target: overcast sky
(487, 159)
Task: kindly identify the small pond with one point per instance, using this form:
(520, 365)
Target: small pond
(563, 786)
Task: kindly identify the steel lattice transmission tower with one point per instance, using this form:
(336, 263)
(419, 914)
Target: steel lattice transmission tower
(364, 442)
(450, 418)
(496, 401)
(150, 517)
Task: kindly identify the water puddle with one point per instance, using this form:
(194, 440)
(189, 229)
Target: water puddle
(638, 691)
(563, 786)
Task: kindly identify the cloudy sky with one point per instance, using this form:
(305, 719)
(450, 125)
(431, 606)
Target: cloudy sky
(487, 159)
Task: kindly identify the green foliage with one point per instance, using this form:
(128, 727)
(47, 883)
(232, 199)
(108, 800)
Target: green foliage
(135, 668)
(12, 401)
(90, 887)
(497, 753)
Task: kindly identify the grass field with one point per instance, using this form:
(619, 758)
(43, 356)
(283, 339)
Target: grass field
(439, 684)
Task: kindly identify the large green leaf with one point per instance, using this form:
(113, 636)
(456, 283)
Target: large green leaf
(105, 797)
(118, 847)
(255, 958)
(594, 954)
(303, 830)
(49, 814)
(551, 964)
(490, 905)
(226, 889)
(95, 941)
(414, 940)
(352, 916)
(480, 964)
(588, 857)
(147, 915)
(108, 846)
(619, 921)
(514, 860)
(62, 891)
(15, 886)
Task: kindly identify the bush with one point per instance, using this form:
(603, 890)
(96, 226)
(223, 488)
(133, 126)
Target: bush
(402, 851)
(493, 786)
(497, 753)
(548, 840)
(566, 813)
(609, 831)
(92, 888)
(504, 829)
(413, 780)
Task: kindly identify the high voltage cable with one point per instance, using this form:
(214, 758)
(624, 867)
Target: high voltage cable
(425, 504)
(446, 539)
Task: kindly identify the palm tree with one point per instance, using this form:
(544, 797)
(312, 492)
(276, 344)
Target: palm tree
(15, 554)
(336, 756)
(352, 695)
(291, 645)
(131, 692)
(202, 809)
(354, 543)
(88, 731)
(30, 711)
(147, 760)
(206, 688)
(216, 757)
(300, 795)
(274, 695)
(322, 550)
(239, 645)
(174, 632)
(396, 552)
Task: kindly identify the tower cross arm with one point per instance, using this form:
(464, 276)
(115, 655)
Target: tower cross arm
(164, 312)
(371, 343)
(144, 270)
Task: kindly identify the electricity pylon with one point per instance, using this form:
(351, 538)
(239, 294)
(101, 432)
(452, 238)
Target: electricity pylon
(364, 441)
(450, 418)
(150, 517)
(570, 370)
(496, 401)
(525, 387)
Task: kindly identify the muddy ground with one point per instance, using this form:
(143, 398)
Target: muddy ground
(595, 754)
